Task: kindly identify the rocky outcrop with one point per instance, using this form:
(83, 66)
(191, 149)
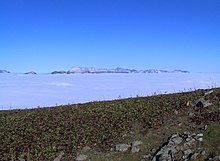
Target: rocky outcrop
(180, 145)
(216, 158)
(201, 102)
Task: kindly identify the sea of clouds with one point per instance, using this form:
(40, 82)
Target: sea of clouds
(43, 90)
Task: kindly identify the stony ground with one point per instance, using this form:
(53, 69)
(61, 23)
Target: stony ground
(182, 126)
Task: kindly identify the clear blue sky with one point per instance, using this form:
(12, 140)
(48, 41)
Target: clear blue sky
(48, 35)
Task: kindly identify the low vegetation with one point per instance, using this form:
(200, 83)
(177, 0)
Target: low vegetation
(43, 133)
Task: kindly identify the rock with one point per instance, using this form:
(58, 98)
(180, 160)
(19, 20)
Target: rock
(186, 133)
(201, 102)
(176, 112)
(165, 153)
(187, 152)
(146, 157)
(55, 148)
(132, 133)
(189, 143)
(174, 136)
(184, 156)
(121, 147)
(204, 128)
(185, 136)
(179, 144)
(176, 140)
(86, 149)
(200, 135)
(196, 154)
(136, 146)
(208, 104)
(81, 157)
(191, 114)
(193, 134)
(124, 136)
(135, 149)
(188, 139)
(20, 159)
(216, 158)
(158, 158)
(203, 152)
(153, 151)
(200, 139)
(209, 92)
(136, 143)
(163, 156)
(60, 157)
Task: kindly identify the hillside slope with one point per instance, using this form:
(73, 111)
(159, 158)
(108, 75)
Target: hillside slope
(45, 133)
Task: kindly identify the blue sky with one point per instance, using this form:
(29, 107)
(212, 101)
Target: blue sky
(48, 35)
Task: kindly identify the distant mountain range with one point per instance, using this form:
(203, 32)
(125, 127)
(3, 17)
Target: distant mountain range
(91, 70)
(82, 70)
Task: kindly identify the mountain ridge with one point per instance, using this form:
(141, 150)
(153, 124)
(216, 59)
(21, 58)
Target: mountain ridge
(92, 70)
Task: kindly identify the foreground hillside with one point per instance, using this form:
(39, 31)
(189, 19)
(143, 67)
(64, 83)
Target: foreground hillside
(126, 130)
